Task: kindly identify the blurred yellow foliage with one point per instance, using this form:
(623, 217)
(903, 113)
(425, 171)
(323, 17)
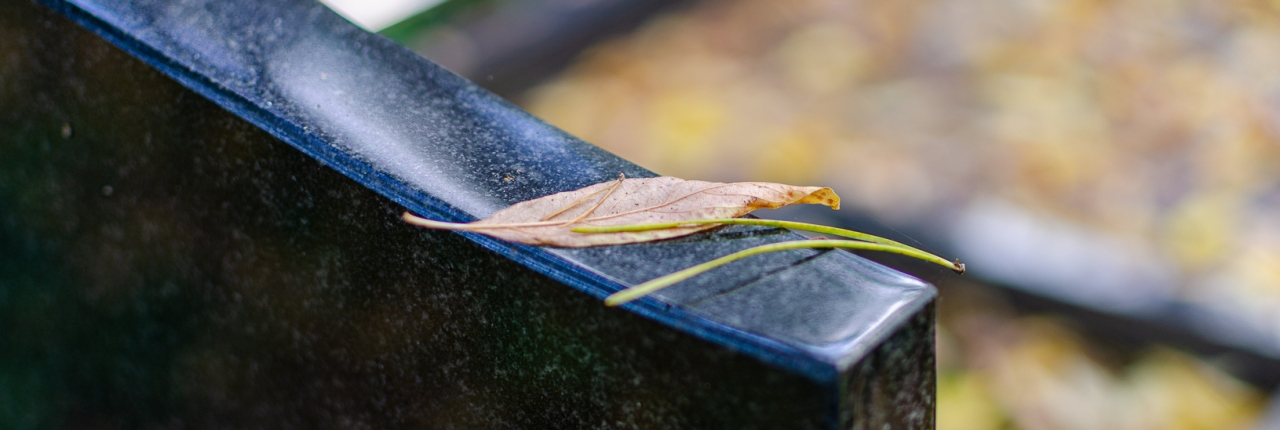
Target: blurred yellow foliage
(1154, 121)
(1034, 373)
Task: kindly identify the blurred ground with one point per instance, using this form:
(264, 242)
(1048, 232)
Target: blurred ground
(1149, 125)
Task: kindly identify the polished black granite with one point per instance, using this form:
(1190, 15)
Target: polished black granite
(210, 238)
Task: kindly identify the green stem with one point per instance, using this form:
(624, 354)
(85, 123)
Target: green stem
(781, 224)
(656, 284)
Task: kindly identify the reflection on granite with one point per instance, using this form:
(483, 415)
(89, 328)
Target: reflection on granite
(442, 147)
(168, 264)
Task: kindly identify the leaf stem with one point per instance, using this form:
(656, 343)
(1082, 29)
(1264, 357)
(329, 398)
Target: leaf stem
(458, 226)
(641, 290)
(856, 235)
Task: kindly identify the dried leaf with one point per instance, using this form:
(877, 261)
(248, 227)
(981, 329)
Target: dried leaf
(548, 220)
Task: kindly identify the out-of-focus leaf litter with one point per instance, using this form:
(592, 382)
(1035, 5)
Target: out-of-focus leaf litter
(1153, 122)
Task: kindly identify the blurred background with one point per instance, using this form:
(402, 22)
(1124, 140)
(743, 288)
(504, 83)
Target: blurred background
(1109, 170)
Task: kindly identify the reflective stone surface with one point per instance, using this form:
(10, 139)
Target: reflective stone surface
(224, 250)
(447, 149)
(168, 265)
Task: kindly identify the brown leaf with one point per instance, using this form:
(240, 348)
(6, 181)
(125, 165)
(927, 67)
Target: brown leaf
(547, 220)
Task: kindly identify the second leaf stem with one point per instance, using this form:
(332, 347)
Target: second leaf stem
(822, 229)
(643, 289)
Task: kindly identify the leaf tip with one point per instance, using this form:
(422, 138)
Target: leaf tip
(833, 200)
(823, 196)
